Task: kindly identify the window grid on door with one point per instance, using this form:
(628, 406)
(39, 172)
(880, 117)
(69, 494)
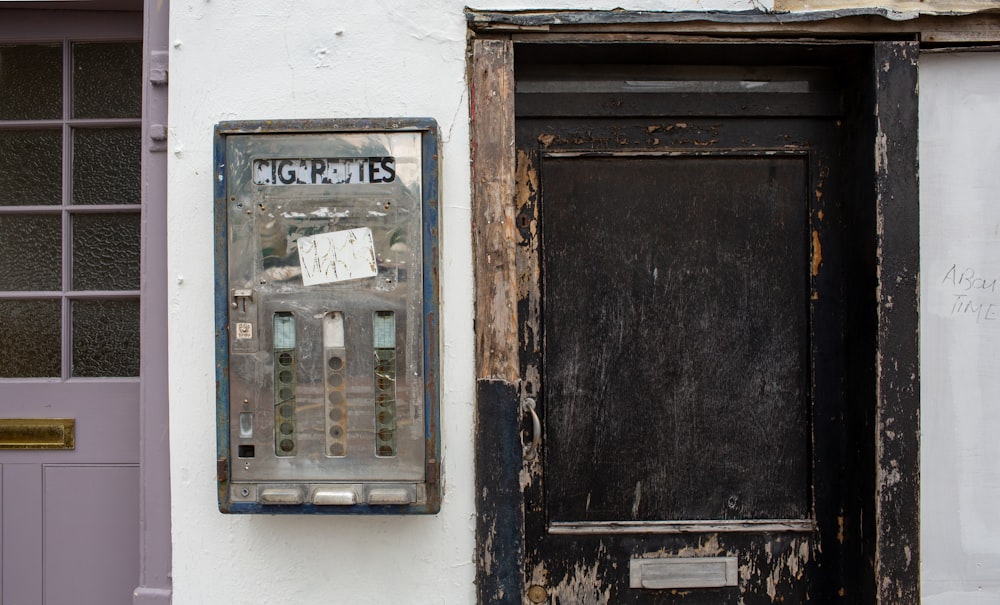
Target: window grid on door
(70, 218)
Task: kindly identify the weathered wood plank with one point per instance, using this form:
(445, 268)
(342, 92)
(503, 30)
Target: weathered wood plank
(499, 507)
(596, 26)
(897, 420)
(493, 209)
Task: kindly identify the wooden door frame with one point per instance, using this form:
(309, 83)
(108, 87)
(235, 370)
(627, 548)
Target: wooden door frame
(891, 499)
(155, 550)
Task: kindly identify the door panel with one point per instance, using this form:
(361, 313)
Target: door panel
(81, 555)
(22, 528)
(676, 351)
(73, 529)
(106, 415)
(683, 393)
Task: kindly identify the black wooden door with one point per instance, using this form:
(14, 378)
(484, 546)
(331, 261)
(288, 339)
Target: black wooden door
(682, 340)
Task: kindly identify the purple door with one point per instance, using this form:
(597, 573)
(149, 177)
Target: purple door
(70, 221)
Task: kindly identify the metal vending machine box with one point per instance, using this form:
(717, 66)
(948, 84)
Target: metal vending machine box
(326, 316)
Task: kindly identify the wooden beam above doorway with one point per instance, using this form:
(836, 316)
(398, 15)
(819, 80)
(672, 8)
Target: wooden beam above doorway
(930, 28)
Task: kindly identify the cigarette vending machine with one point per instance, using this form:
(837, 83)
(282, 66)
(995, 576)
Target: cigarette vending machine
(326, 316)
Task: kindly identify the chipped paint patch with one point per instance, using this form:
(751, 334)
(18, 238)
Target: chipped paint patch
(881, 153)
(707, 546)
(779, 571)
(527, 474)
(817, 253)
(635, 500)
(487, 558)
(528, 284)
(539, 576)
(584, 586)
(321, 58)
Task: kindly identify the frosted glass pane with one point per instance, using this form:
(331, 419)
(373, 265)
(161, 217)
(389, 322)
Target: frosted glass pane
(29, 338)
(106, 251)
(107, 80)
(106, 166)
(30, 167)
(30, 82)
(105, 338)
(31, 249)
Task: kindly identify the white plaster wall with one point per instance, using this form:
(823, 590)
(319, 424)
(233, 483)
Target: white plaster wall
(268, 59)
(258, 59)
(960, 328)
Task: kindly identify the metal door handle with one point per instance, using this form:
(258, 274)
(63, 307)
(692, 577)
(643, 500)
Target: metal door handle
(531, 450)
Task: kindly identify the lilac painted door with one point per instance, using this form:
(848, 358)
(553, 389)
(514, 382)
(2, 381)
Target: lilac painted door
(70, 221)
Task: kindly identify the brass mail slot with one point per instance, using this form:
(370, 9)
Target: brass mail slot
(37, 433)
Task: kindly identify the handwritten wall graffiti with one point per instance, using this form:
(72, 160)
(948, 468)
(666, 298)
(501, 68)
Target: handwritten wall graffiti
(973, 294)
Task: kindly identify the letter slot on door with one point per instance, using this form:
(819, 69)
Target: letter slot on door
(326, 316)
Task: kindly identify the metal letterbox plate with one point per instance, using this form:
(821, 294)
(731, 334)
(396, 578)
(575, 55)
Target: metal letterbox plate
(682, 572)
(37, 433)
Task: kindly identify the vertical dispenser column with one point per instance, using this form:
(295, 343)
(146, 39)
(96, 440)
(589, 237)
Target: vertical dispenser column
(284, 384)
(336, 401)
(385, 383)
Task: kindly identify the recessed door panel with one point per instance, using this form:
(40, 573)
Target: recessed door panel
(677, 351)
(91, 558)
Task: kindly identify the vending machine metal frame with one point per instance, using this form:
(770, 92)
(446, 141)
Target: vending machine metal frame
(329, 482)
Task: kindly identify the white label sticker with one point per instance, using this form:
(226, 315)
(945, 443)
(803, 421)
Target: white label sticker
(337, 256)
(244, 331)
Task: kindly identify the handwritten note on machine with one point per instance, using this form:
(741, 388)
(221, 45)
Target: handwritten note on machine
(338, 256)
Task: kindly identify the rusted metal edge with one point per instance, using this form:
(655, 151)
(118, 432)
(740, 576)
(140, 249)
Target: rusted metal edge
(518, 20)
